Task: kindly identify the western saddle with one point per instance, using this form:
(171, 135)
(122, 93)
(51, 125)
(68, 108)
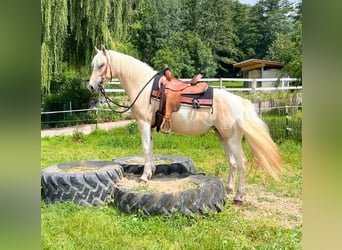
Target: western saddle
(172, 92)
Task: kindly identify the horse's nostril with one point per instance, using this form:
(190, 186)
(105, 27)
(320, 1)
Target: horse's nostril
(91, 88)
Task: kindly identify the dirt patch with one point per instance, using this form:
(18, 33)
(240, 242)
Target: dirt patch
(262, 204)
(81, 168)
(162, 184)
(140, 161)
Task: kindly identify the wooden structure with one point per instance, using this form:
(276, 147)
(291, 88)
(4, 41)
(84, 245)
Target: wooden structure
(257, 68)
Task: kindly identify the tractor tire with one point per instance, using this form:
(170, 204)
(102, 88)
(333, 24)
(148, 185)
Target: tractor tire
(167, 164)
(209, 194)
(92, 185)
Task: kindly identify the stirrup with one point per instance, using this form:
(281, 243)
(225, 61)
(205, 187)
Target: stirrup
(165, 127)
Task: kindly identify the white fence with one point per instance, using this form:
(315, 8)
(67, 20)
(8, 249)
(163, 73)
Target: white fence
(282, 83)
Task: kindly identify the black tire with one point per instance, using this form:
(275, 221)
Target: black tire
(209, 195)
(89, 187)
(175, 164)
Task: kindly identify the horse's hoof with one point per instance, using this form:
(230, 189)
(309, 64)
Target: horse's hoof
(229, 190)
(237, 202)
(143, 180)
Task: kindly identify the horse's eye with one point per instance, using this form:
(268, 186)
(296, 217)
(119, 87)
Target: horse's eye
(101, 65)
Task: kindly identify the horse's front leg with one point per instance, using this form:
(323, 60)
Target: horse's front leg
(147, 144)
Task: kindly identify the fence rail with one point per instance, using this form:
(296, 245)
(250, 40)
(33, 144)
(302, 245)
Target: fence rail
(284, 125)
(284, 84)
(94, 115)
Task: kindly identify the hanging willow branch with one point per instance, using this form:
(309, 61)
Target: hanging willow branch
(71, 29)
(54, 32)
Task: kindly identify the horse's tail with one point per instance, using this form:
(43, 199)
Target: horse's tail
(264, 151)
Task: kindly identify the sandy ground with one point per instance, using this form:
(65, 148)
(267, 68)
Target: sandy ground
(85, 129)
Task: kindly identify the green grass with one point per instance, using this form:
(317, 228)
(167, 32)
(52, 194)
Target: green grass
(70, 226)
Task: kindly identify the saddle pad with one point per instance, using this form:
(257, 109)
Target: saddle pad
(205, 99)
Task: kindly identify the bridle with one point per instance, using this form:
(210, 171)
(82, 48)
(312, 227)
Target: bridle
(108, 99)
(104, 72)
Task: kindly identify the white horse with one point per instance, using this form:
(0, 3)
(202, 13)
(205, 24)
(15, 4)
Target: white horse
(231, 116)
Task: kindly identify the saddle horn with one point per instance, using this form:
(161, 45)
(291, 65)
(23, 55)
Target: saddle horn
(167, 72)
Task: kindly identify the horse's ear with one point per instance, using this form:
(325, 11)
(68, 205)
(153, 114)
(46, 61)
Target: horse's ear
(103, 48)
(96, 50)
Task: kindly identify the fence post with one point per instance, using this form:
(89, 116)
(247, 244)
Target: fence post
(221, 83)
(97, 117)
(254, 85)
(287, 122)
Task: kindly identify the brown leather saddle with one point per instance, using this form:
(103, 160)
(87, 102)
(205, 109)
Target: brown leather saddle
(172, 92)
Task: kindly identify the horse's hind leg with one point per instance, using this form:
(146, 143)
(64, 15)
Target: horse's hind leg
(235, 148)
(236, 159)
(147, 144)
(232, 173)
(232, 166)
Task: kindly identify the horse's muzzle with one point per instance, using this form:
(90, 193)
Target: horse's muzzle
(91, 88)
(95, 87)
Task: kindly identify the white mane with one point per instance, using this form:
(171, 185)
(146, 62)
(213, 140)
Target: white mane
(130, 68)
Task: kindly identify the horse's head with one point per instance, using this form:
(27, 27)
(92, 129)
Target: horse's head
(102, 70)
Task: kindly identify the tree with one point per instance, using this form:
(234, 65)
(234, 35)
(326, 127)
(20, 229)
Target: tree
(245, 30)
(54, 32)
(71, 29)
(186, 55)
(272, 18)
(212, 21)
(157, 22)
(287, 48)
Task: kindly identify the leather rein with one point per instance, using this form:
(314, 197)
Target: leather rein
(109, 100)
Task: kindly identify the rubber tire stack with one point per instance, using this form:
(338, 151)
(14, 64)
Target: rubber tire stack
(97, 187)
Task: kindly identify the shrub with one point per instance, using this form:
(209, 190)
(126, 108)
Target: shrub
(68, 93)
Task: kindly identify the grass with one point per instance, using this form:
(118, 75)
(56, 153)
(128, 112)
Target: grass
(70, 226)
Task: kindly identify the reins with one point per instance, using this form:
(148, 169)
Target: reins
(108, 99)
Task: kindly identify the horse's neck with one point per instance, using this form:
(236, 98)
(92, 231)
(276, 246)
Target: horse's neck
(132, 73)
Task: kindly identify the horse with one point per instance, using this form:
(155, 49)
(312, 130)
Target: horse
(232, 118)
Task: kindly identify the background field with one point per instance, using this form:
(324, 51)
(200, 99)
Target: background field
(270, 218)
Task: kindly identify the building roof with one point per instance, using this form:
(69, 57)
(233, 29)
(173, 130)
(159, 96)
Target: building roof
(257, 63)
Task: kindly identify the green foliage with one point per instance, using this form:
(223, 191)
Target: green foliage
(186, 55)
(287, 48)
(157, 22)
(281, 131)
(107, 115)
(212, 21)
(191, 36)
(68, 93)
(132, 128)
(77, 136)
(54, 32)
(70, 87)
(272, 18)
(71, 29)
